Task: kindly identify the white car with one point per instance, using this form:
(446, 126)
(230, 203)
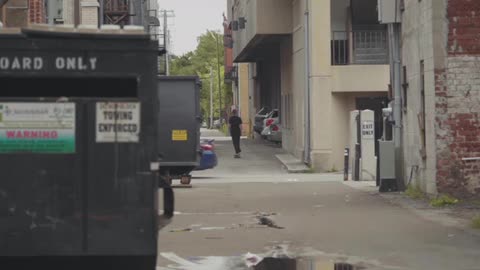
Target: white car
(272, 130)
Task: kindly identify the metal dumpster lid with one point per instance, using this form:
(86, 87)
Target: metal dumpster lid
(83, 31)
(10, 31)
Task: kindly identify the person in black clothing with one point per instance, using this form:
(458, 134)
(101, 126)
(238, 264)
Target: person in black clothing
(235, 123)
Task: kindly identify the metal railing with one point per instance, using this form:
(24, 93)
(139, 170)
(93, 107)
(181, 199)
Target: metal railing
(359, 47)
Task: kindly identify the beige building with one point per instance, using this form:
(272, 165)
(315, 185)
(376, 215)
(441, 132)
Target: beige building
(241, 97)
(332, 53)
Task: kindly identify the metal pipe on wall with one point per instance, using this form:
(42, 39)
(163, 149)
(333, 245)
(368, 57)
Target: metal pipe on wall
(76, 12)
(394, 32)
(100, 13)
(307, 139)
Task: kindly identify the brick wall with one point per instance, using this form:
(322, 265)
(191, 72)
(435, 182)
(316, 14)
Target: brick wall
(89, 12)
(457, 96)
(36, 13)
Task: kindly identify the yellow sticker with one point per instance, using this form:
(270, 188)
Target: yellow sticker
(179, 135)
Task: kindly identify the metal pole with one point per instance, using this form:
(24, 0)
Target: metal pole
(394, 36)
(306, 157)
(346, 165)
(165, 37)
(76, 12)
(219, 77)
(211, 98)
(50, 11)
(100, 15)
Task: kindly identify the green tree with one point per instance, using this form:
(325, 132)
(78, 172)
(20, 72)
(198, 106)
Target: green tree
(206, 57)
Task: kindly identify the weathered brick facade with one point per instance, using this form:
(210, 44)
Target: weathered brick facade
(36, 12)
(457, 103)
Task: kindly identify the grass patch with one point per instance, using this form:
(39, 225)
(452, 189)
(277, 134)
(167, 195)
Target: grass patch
(443, 200)
(476, 202)
(333, 170)
(414, 192)
(476, 222)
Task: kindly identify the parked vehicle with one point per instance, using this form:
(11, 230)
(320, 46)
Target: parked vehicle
(208, 157)
(179, 126)
(270, 118)
(268, 121)
(272, 128)
(259, 119)
(218, 123)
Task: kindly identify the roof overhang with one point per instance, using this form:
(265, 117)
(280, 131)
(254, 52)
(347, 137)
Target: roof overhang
(3, 2)
(259, 46)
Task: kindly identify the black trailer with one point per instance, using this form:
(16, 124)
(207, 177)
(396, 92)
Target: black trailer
(179, 126)
(78, 150)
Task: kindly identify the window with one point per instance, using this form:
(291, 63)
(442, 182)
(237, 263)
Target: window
(405, 88)
(286, 111)
(422, 114)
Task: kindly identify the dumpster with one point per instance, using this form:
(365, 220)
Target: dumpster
(78, 149)
(179, 126)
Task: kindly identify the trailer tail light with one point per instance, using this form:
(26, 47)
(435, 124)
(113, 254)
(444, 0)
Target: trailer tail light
(207, 147)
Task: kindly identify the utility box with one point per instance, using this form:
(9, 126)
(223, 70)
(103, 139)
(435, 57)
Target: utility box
(179, 125)
(387, 160)
(78, 149)
(388, 180)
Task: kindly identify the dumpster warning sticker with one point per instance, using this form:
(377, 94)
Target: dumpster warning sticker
(47, 128)
(179, 135)
(118, 122)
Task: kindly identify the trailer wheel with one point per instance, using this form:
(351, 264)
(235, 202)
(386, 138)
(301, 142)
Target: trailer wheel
(186, 179)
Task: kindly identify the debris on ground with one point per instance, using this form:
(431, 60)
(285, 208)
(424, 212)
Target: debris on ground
(266, 221)
(182, 230)
(252, 259)
(212, 228)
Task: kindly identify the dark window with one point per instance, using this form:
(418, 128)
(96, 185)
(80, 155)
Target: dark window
(405, 87)
(422, 114)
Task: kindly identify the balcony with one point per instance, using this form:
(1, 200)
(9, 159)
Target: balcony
(231, 74)
(360, 61)
(116, 11)
(259, 24)
(360, 48)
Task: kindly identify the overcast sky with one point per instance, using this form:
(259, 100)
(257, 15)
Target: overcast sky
(192, 18)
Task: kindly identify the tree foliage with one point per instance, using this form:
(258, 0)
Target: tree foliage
(208, 55)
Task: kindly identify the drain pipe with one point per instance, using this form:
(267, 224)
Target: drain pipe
(307, 139)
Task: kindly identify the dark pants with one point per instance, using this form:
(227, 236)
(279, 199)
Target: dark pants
(236, 140)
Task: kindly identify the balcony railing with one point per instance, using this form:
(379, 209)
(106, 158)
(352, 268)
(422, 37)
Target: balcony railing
(359, 48)
(116, 6)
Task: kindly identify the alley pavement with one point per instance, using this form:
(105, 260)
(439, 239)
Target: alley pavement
(253, 206)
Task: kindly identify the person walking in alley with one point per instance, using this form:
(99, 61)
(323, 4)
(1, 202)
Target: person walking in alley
(235, 123)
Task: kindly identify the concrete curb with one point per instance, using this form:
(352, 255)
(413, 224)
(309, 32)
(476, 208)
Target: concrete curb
(441, 216)
(292, 164)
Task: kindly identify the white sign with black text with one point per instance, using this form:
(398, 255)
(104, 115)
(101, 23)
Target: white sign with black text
(118, 122)
(368, 130)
